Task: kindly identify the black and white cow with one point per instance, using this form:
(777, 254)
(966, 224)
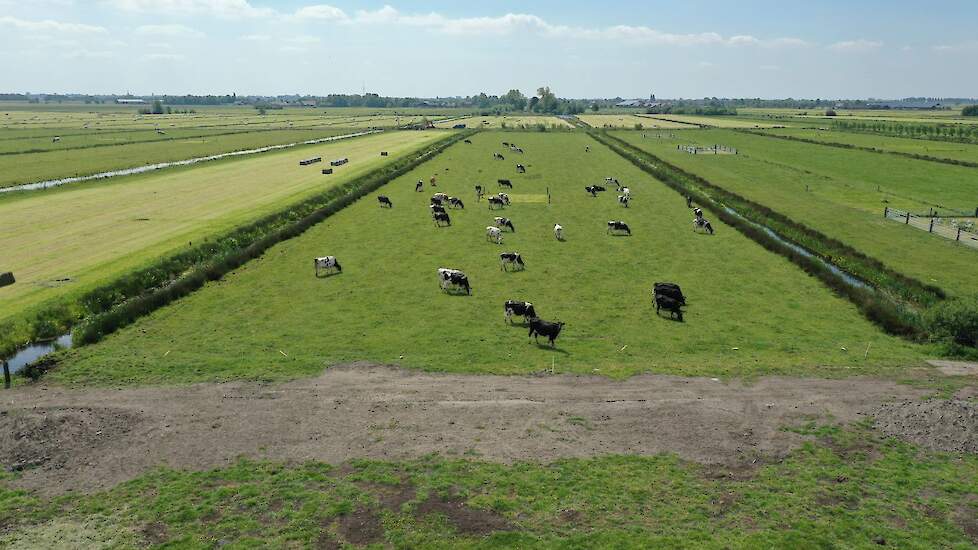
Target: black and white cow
(469, 141)
(453, 279)
(599, 188)
(505, 144)
(539, 327)
(558, 232)
(521, 169)
(702, 224)
(497, 156)
(478, 192)
(670, 290)
(441, 218)
(327, 264)
(495, 201)
(441, 197)
(385, 201)
(698, 212)
(494, 234)
(504, 183)
(504, 197)
(504, 222)
(592, 190)
(617, 226)
(669, 304)
(623, 200)
(419, 187)
(511, 258)
(520, 309)
(456, 202)
(437, 208)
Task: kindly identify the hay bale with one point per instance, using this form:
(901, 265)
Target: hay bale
(7, 279)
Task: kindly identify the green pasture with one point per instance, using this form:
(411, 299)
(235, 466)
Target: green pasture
(933, 148)
(845, 488)
(32, 167)
(750, 312)
(950, 116)
(89, 232)
(841, 193)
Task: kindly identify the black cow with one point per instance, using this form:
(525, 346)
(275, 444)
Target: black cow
(592, 190)
(511, 258)
(505, 183)
(496, 201)
(440, 217)
(521, 169)
(456, 202)
(383, 200)
(671, 290)
(504, 222)
(618, 227)
(505, 144)
(521, 309)
(539, 327)
(436, 201)
(599, 188)
(437, 208)
(669, 304)
(469, 141)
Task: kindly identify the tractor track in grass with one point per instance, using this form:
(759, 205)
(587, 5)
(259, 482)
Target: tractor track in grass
(86, 439)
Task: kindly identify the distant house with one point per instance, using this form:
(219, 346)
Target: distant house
(124, 101)
(638, 103)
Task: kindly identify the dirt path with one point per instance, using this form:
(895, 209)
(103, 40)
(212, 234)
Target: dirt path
(94, 438)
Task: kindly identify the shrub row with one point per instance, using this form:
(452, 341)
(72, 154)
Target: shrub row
(117, 303)
(916, 156)
(880, 307)
(957, 133)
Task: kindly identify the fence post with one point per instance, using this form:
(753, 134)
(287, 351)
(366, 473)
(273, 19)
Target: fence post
(908, 218)
(931, 230)
(959, 235)
(886, 212)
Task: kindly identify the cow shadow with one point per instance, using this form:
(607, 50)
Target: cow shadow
(546, 347)
(328, 274)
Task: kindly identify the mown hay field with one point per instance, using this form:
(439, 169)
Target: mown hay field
(516, 121)
(750, 312)
(629, 121)
(87, 232)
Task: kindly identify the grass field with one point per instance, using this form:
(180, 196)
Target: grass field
(842, 199)
(120, 224)
(629, 121)
(952, 116)
(516, 121)
(33, 167)
(933, 148)
(714, 121)
(273, 319)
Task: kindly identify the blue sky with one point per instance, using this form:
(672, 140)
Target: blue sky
(693, 48)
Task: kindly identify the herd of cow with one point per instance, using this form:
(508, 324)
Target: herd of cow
(665, 296)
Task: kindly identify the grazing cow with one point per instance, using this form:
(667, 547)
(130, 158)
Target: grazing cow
(440, 197)
(327, 264)
(504, 197)
(494, 234)
(419, 187)
(504, 183)
(698, 212)
(592, 190)
(437, 208)
(625, 191)
(521, 169)
(478, 192)
(617, 226)
(456, 202)
(469, 141)
(702, 224)
(495, 201)
(671, 290)
(587, 148)
(599, 188)
(521, 309)
(436, 201)
(505, 144)
(385, 201)
(669, 304)
(497, 156)
(623, 200)
(433, 181)
(519, 150)
(504, 222)
(539, 327)
(511, 258)
(558, 232)
(453, 278)
(58, 138)
(441, 217)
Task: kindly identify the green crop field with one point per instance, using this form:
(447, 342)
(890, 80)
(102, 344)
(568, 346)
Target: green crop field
(516, 121)
(267, 320)
(933, 148)
(841, 193)
(122, 223)
(629, 121)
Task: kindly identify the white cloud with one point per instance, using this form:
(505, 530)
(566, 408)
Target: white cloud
(219, 8)
(87, 54)
(168, 30)
(303, 39)
(971, 46)
(321, 12)
(256, 37)
(48, 25)
(292, 49)
(856, 46)
(164, 57)
(160, 45)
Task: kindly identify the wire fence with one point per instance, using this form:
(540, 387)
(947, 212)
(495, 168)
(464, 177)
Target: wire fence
(944, 227)
(712, 150)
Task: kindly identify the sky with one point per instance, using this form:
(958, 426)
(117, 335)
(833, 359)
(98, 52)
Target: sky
(615, 48)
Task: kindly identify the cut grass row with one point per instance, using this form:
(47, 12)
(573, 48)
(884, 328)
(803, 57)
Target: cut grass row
(124, 224)
(267, 319)
(834, 191)
(34, 167)
(846, 488)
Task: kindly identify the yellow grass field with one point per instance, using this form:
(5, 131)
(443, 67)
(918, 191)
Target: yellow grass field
(90, 231)
(713, 121)
(629, 122)
(496, 122)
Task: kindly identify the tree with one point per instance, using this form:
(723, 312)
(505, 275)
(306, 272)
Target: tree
(157, 107)
(534, 101)
(515, 98)
(594, 107)
(970, 110)
(548, 100)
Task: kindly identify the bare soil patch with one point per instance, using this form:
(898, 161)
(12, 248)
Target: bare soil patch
(465, 520)
(935, 424)
(387, 413)
(955, 368)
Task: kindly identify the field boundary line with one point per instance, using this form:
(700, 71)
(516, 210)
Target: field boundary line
(851, 147)
(927, 223)
(117, 303)
(893, 299)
